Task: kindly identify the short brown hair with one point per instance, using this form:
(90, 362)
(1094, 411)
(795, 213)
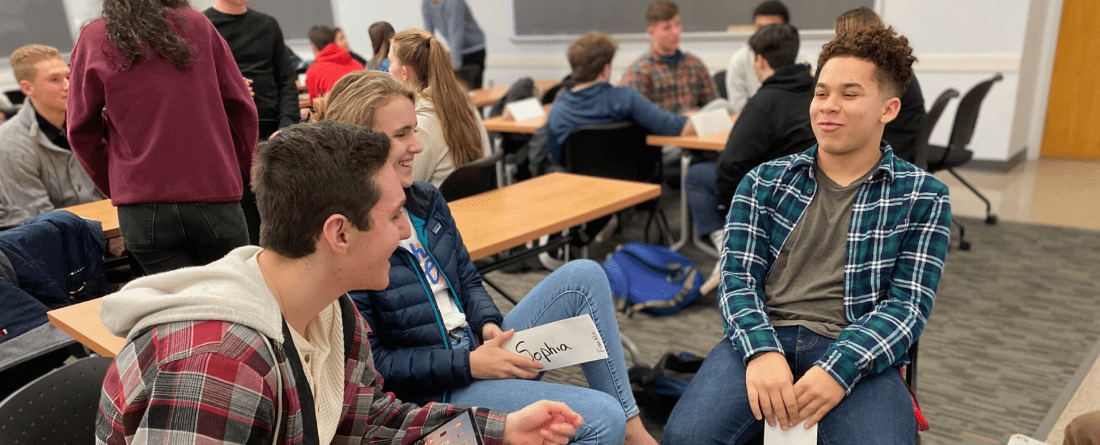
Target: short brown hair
(589, 54)
(320, 36)
(23, 60)
(309, 172)
(858, 18)
(889, 51)
(661, 11)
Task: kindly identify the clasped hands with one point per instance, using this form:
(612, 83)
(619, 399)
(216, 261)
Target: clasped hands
(776, 397)
(491, 362)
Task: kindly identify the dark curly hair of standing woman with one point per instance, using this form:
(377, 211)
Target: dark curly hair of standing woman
(142, 27)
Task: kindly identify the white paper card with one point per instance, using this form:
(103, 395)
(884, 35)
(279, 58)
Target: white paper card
(797, 435)
(525, 109)
(707, 123)
(561, 343)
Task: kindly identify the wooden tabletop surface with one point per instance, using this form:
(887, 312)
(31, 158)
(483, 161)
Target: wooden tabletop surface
(489, 223)
(484, 97)
(508, 217)
(101, 211)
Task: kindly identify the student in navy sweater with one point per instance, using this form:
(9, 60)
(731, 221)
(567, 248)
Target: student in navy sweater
(592, 100)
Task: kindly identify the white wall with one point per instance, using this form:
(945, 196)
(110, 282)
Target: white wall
(959, 43)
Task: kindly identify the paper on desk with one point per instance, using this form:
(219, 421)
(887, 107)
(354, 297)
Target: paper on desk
(710, 122)
(524, 109)
(796, 435)
(561, 343)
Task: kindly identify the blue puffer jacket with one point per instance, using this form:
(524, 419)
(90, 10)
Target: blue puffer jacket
(57, 258)
(410, 345)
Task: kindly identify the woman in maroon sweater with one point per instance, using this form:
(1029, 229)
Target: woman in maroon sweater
(163, 122)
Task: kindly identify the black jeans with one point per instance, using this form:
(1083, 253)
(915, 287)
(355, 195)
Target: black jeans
(170, 235)
(472, 69)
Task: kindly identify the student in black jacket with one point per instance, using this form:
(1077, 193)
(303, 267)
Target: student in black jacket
(258, 48)
(774, 123)
(256, 42)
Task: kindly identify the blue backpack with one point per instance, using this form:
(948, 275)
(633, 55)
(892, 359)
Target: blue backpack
(652, 278)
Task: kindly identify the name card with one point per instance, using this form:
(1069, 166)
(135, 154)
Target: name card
(524, 109)
(796, 435)
(561, 343)
(710, 122)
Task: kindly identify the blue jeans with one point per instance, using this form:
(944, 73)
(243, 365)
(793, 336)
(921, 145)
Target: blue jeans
(170, 235)
(701, 186)
(715, 408)
(577, 288)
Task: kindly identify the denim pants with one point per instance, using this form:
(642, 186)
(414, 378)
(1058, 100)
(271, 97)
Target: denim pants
(715, 409)
(577, 288)
(701, 186)
(170, 235)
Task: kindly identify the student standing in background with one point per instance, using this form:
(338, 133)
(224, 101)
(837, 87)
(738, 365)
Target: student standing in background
(453, 19)
(163, 122)
(256, 41)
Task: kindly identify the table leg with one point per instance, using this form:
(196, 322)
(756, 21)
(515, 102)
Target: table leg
(686, 228)
(685, 212)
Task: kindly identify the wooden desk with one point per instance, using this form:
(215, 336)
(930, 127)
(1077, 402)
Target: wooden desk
(489, 223)
(501, 125)
(504, 218)
(484, 97)
(82, 322)
(101, 211)
(713, 142)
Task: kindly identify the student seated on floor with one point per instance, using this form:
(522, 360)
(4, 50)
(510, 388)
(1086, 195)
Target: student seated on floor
(450, 128)
(592, 100)
(830, 263)
(438, 334)
(264, 346)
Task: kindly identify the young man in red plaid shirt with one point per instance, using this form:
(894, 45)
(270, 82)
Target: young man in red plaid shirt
(264, 346)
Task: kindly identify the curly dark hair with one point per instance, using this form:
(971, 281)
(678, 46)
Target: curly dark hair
(888, 50)
(143, 26)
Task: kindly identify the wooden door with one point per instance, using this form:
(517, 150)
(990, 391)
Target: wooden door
(1073, 109)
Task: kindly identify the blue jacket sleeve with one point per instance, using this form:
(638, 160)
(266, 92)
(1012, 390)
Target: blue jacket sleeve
(650, 116)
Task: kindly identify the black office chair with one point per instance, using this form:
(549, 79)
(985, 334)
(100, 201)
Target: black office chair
(475, 177)
(720, 83)
(57, 408)
(618, 151)
(956, 152)
(920, 147)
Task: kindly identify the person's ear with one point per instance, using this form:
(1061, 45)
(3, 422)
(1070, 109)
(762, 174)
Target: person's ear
(26, 87)
(334, 233)
(890, 110)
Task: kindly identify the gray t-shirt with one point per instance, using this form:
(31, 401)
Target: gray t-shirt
(806, 284)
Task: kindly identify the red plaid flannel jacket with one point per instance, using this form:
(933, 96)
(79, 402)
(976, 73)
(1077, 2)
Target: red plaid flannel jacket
(214, 382)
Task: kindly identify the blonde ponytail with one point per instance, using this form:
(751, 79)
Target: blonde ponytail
(432, 65)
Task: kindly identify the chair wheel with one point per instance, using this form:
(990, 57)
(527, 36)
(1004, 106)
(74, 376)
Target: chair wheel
(964, 245)
(991, 219)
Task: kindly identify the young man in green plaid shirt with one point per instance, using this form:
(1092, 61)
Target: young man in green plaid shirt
(831, 260)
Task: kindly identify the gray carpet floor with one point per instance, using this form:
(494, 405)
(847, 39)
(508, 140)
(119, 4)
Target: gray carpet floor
(1013, 319)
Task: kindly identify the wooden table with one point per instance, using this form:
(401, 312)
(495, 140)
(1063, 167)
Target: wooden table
(82, 322)
(490, 222)
(501, 125)
(713, 142)
(507, 217)
(484, 97)
(101, 211)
